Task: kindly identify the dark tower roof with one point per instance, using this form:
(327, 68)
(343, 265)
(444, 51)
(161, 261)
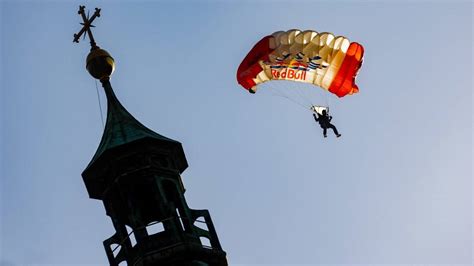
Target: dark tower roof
(122, 129)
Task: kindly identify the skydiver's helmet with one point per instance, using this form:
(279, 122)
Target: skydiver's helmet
(324, 112)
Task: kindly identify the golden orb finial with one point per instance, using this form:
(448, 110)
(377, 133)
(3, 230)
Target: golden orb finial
(100, 64)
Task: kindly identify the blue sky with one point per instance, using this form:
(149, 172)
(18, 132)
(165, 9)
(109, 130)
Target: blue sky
(395, 189)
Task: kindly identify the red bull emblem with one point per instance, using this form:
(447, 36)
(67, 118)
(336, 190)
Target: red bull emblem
(288, 73)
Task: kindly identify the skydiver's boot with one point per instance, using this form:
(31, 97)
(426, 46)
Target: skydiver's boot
(338, 135)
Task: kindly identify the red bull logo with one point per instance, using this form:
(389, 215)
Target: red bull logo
(288, 73)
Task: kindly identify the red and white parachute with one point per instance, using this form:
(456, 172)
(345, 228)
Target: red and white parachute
(321, 59)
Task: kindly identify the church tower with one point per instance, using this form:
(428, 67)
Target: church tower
(136, 173)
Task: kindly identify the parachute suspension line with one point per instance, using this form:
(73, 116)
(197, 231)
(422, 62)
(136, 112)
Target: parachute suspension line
(312, 97)
(291, 94)
(326, 100)
(296, 87)
(100, 105)
(307, 94)
(276, 92)
(302, 93)
(301, 105)
(294, 92)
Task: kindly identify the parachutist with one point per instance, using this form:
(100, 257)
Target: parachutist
(324, 121)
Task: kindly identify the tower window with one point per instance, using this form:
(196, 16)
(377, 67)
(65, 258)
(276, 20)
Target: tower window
(131, 235)
(115, 249)
(200, 223)
(205, 242)
(154, 228)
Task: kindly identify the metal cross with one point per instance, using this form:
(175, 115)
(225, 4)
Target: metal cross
(87, 25)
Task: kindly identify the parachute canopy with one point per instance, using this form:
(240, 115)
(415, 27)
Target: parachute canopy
(322, 59)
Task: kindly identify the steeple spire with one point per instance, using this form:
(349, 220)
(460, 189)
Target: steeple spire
(136, 173)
